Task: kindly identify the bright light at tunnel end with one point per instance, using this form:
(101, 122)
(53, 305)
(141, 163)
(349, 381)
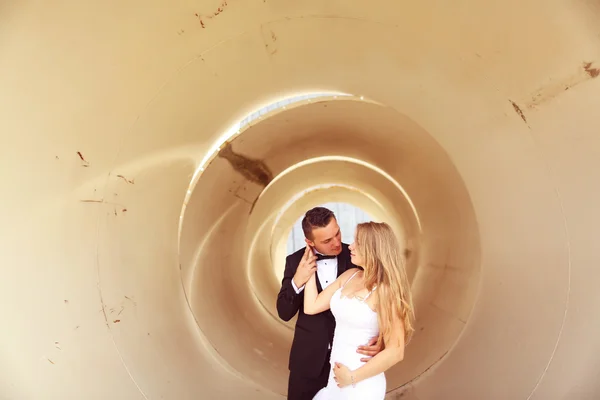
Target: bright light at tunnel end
(270, 109)
(303, 193)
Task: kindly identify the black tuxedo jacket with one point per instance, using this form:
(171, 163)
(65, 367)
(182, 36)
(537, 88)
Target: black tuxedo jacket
(313, 333)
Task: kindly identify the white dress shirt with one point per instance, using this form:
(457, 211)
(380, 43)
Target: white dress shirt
(326, 273)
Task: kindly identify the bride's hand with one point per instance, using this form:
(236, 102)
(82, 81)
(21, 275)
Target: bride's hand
(342, 375)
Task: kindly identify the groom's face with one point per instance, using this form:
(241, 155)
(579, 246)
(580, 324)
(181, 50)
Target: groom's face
(327, 240)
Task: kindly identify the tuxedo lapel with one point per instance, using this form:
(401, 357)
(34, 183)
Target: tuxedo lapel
(319, 287)
(342, 262)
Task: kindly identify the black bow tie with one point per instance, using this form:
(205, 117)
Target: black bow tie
(324, 257)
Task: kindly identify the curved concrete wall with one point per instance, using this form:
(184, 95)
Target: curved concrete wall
(142, 237)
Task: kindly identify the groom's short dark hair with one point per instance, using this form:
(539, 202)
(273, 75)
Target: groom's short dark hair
(318, 217)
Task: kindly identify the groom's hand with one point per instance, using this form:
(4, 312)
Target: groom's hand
(307, 267)
(370, 350)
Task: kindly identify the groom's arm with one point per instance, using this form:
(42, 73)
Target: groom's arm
(289, 299)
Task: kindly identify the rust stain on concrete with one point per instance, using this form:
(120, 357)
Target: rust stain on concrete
(269, 40)
(592, 72)
(130, 181)
(254, 170)
(558, 86)
(211, 15)
(518, 110)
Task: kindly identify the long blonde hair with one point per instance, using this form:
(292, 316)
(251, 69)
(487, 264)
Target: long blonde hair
(384, 266)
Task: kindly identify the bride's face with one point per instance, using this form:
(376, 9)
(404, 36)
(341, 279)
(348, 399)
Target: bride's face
(355, 254)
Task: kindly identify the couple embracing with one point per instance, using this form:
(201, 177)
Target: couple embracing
(354, 306)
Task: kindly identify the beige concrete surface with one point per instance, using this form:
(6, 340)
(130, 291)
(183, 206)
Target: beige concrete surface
(142, 255)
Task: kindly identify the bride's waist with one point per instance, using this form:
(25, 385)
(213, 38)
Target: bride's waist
(345, 351)
(348, 357)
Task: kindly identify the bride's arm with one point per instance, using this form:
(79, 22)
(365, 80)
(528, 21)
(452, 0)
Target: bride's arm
(381, 362)
(314, 302)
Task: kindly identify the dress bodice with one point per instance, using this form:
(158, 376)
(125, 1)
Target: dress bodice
(356, 324)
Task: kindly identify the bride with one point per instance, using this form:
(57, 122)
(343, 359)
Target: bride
(374, 301)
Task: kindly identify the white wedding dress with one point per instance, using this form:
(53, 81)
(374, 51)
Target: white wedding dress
(356, 324)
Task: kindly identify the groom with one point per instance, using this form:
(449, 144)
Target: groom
(313, 335)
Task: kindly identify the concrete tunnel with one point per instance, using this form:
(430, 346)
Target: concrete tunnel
(144, 226)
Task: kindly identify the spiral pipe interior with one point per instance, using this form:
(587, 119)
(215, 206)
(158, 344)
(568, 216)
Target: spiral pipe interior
(144, 226)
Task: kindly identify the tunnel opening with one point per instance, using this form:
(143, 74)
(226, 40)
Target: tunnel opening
(342, 148)
(348, 216)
